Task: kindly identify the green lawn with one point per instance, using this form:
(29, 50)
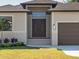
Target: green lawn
(42, 53)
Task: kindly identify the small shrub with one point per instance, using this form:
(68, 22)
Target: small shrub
(6, 40)
(22, 44)
(19, 44)
(0, 41)
(7, 45)
(14, 40)
(2, 45)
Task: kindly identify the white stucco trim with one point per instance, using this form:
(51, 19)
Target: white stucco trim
(53, 33)
(26, 27)
(63, 22)
(25, 22)
(6, 15)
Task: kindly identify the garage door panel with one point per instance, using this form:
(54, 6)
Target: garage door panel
(69, 42)
(69, 38)
(68, 33)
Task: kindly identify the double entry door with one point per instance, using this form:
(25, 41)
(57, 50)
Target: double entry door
(38, 28)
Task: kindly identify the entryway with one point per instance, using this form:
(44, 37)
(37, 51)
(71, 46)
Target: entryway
(39, 28)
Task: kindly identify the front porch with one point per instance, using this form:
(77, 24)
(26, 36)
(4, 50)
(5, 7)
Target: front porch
(39, 42)
(39, 28)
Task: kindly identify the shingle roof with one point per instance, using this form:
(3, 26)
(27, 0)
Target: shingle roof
(40, 2)
(59, 7)
(12, 8)
(66, 7)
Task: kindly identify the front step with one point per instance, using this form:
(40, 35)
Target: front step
(39, 41)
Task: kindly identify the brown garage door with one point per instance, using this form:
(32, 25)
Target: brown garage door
(68, 33)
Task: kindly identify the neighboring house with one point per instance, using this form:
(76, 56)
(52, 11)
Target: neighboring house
(43, 22)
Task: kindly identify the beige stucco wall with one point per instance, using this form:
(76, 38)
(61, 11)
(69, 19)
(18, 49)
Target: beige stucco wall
(19, 21)
(19, 25)
(62, 17)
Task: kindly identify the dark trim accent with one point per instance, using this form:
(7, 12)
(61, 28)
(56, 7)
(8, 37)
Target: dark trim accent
(38, 3)
(29, 13)
(64, 10)
(23, 5)
(54, 5)
(48, 12)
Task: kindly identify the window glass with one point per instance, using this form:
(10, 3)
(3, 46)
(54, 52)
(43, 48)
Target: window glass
(5, 23)
(38, 14)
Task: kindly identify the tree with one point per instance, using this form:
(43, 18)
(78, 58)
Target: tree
(73, 0)
(4, 24)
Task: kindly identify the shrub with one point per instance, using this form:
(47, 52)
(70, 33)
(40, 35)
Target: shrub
(22, 44)
(14, 40)
(0, 41)
(2, 45)
(6, 45)
(19, 44)
(6, 40)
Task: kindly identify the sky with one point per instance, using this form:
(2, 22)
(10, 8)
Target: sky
(16, 2)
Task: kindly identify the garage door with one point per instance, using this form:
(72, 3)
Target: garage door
(68, 33)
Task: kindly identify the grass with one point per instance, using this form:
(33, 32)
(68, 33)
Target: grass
(35, 53)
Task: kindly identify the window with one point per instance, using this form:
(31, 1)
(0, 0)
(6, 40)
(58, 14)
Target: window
(5, 23)
(38, 14)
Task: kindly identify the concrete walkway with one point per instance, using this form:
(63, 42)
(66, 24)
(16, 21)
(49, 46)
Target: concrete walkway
(62, 47)
(74, 53)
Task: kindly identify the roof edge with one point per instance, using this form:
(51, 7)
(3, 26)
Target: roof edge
(63, 10)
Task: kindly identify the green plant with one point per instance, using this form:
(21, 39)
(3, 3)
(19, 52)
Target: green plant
(6, 40)
(14, 40)
(72, 0)
(5, 45)
(19, 44)
(4, 24)
(8, 45)
(0, 41)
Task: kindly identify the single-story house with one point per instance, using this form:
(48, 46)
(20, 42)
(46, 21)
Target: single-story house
(42, 22)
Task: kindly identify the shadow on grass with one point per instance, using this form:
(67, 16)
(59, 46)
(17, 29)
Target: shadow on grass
(19, 47)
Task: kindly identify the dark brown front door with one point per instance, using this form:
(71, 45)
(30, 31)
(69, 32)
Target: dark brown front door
(68, 33)
(38, 28)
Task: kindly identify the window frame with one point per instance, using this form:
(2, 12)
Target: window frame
(39, 14)
(11, 20)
